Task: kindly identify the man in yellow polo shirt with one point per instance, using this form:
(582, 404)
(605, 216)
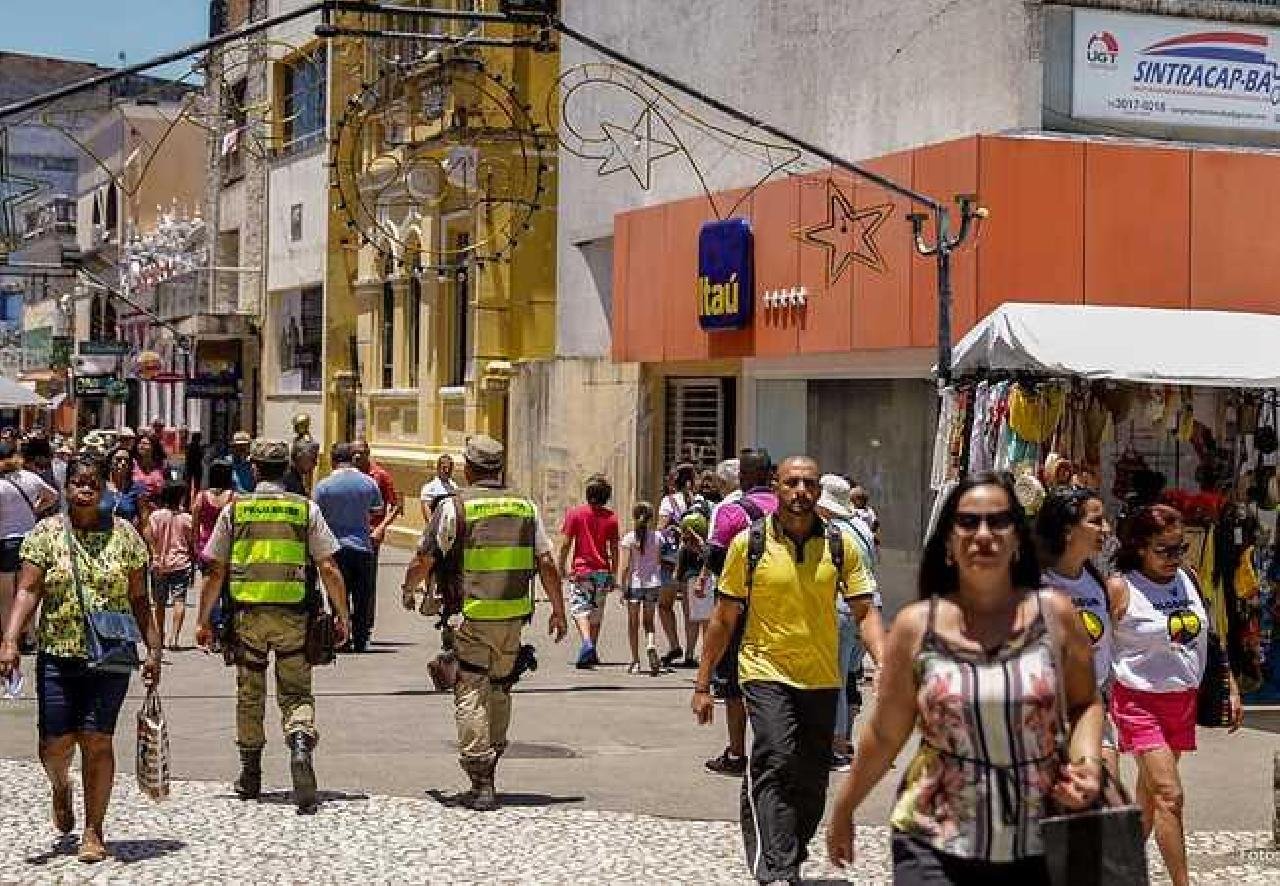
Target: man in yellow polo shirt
(788, 664)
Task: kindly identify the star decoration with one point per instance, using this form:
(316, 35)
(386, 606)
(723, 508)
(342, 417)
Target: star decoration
(848, 234)
(14, 190)
(635, 149)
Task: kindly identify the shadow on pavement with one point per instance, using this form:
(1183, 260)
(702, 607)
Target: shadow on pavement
(129, 851)
(285, 798)
(456, 801)
(67, 844)
(534, 690)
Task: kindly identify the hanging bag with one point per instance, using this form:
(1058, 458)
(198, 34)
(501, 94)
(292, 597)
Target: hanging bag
(1099, 846)
(153, 748)
(1213, 700)
(111, 638)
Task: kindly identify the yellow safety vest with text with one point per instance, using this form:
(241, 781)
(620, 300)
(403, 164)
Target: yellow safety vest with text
(497, 554)
(269, 548)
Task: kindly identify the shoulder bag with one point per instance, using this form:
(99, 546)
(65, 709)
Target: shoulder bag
(110, 638)
(1099, 846)
(1213, 700)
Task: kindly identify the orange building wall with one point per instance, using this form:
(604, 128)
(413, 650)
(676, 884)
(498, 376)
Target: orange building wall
(1072, 221)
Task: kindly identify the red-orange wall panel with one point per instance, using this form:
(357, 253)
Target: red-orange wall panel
(941, 171)
(775, 213)
(1137, 243)
(825, 326)
(1031, 250)
(881, 311)
(647, 303)
(678, 275)
(619, 324)
(1235, 206)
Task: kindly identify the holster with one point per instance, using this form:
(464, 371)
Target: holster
(227, 639)
(320, 647)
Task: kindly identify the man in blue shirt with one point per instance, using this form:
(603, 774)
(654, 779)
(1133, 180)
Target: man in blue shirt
(241, 470)
(347, 498)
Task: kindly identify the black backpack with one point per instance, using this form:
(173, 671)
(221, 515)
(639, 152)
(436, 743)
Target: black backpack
(756, 544)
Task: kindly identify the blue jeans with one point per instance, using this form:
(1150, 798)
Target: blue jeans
(850, 654)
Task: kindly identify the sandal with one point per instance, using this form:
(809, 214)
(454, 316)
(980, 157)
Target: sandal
(633, 668)
(64, 813)
(92, 849)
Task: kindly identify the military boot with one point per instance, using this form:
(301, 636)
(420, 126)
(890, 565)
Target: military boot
(304, 775)
(248, 783)
(481, 797)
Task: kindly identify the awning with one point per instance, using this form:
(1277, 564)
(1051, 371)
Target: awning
(14, 395)
(1152, 345)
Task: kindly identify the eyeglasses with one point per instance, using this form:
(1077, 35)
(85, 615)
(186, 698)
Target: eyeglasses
(968, 523)
(1171, 552)
(796, 482)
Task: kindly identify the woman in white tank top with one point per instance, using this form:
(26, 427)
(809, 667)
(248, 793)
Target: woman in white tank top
(1161, 645)
(1071, 528)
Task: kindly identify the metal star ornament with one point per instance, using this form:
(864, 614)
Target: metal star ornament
(14, 190)
(847, 234)
(635, 149)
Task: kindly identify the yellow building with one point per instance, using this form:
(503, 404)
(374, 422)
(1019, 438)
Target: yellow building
(441, 266)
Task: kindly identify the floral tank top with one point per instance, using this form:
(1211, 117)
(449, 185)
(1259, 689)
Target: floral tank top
(979, 783)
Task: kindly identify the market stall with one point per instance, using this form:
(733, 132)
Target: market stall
(1144, 405)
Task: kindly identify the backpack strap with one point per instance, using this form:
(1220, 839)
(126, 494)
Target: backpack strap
(835, 544)
(755, 550)
(750, 508)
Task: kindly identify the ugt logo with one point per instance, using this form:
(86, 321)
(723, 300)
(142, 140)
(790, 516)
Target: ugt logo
(1103, 49)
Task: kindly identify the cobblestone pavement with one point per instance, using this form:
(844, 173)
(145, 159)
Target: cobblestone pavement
(203, 834)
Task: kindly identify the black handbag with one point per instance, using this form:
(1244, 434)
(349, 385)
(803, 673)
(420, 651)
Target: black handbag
(1100, 846)
(1213, 701)
(111, 638)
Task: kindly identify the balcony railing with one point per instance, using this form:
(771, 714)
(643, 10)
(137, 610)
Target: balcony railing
(187, 295)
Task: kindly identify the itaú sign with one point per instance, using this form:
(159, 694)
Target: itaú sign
(725, 274)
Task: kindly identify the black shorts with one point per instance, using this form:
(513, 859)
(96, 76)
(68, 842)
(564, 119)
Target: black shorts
(71, 698)
(916, 863)
(724, 682)
(9, 548)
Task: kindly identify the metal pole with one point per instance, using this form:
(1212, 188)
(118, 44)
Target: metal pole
(944, 297)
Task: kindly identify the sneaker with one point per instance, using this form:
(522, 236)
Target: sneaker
(585, 655)
(655, 663)
(688, 662)
(727, 764)
(673, 656)
(633, 668)
(841, 762)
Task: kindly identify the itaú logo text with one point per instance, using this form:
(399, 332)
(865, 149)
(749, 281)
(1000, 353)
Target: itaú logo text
(1103, 49)
(718, 299)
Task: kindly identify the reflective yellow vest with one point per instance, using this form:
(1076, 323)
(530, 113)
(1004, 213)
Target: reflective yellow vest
(269, 548)
(497, 535)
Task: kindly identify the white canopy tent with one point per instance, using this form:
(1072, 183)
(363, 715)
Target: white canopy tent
(14, 395)
(1152, 345)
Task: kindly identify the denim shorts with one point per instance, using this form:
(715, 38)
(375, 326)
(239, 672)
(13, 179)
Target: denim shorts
(172, 588)
(71, 698)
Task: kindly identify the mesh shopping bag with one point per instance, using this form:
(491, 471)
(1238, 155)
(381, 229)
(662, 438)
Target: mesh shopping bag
(153, 749)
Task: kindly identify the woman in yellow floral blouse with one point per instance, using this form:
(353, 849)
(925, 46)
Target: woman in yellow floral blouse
(78, 707)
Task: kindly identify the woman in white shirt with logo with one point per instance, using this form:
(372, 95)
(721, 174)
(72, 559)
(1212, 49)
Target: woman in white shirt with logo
(1161, 647)
(1071, 528)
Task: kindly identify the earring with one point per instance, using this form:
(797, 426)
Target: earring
(949, 560)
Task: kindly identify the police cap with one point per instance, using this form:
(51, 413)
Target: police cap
(484, 452)
(266, 450)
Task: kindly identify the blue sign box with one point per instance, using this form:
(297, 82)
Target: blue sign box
(725, 274)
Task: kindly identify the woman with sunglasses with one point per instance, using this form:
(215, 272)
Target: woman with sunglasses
(1161, 647)
(1071, 529)
(123, 497)
(983, 665)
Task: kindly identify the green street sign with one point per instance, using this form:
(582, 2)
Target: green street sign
(104, 348)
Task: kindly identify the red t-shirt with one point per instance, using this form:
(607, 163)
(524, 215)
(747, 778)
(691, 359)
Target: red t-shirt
(591, 529)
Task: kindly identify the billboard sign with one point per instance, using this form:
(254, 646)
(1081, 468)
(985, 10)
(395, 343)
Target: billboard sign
(1178, 72)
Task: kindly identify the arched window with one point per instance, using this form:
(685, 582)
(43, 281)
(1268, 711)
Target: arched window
(113, 208)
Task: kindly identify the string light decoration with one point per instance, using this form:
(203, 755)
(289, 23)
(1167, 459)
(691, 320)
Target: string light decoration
(439, 136)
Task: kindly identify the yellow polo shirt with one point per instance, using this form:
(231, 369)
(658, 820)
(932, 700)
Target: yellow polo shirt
(791, 635)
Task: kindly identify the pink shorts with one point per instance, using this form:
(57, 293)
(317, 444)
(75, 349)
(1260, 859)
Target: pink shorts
(1147, 721)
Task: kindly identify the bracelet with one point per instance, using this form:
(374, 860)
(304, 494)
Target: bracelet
(1089, 758)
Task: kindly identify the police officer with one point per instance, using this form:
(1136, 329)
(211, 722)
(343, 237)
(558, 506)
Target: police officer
(493, 542)
(265, 540)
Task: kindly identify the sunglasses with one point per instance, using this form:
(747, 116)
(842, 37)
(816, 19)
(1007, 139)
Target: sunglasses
(968, 523)
(1171, 552)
